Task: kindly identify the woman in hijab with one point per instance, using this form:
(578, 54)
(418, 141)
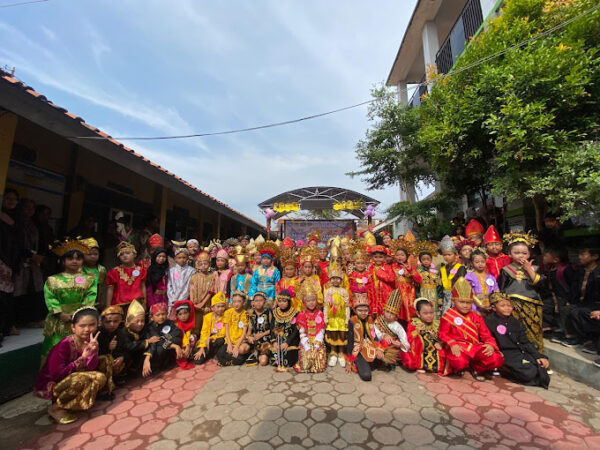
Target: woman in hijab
(157, 278)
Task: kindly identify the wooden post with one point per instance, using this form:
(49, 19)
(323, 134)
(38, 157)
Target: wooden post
(8, 125)
(268, 228)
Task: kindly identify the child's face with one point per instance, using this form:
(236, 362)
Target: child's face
(192, 248)
(181, 259)
(136, 324)
(426, 314)
(183, 315)
(585, 257)
(244, 243)
(202, 265)
(258, 303)
(426, 261)
(479, 263)
(477, 238)
(323, 252)
(111, 322)
(240, 267)
(389, 259)
(310, 302)
(159, 317)
(289, 271)
(283, 303)
(504, 308)
(378, 258)
(127, 257)
(389, 317)
(360, 266)
(307, 269)
(362, 312)
(387, 239)
(218, 309)
(519, 253)
(465, 252)
(161, 258)
(85, 327)
(463, 306)
(401, 257)
(336, 281)
(346, 254)
(265, 261)
(73, 263)
(90, 259)
(237, 302)
(221, 263)
(493, 248)
(449, 257)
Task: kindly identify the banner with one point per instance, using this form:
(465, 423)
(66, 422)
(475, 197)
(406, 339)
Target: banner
(298, 229)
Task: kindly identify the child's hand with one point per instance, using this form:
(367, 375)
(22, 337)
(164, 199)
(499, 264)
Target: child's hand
(595, 315)
(113, 344)
(456, 350)
(146, 370)
(379, 354)
(284, 347)
(153, 340)
(488, 350)
(236, 351)
(276, 347)
(178, 350)
(186, 351)
(544, 363)
(118, 361)
(199, 354)
(250, 340)
(229, 348)
(349, 367)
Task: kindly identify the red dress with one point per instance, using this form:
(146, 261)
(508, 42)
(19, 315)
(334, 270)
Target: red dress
(423, 355)
(470, 332)
(382, 282)
(127, 283)
(494, 264)
(324, 265)
(406, 279)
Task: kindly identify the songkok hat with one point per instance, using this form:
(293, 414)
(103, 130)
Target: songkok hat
(393, 302)
(491, 235)
(125, 246)
(90, 243)
(135, 309)
(462, 290)
(217, 299)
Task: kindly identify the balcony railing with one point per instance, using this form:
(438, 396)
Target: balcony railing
(466, 26)
(415, 100)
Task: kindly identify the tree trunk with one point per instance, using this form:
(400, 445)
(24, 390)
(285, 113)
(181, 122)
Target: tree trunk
(538, 204)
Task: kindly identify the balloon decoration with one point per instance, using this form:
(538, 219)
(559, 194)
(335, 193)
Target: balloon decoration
(269, 213)
(370, 211)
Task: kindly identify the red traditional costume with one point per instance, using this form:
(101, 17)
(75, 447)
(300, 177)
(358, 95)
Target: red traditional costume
(495, 264)
(382, 281)
(406, 279)
(474, 231)
(127, 281)
(311, 325)
(423, 354)
(470, 332)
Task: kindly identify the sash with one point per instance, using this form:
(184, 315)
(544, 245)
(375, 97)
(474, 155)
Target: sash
(467, 327)
(447, 276)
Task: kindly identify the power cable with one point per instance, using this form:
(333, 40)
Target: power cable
(10, 5)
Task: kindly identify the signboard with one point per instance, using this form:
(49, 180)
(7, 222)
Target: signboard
(298, 229)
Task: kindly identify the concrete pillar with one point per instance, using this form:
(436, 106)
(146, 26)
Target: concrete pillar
(8, 125)
(431, 44)
(402, 93)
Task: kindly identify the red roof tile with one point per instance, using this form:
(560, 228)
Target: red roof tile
(29, 90)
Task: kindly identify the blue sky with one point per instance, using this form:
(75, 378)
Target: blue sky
(157, 67)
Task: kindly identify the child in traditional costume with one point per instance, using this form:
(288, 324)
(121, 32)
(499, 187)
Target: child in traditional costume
(469, 343)
(133, 344)
(223, 272)
(474, 232)
(69, 376)
(450, 271)
(178, 285)
(337, 315)
(108, 342)
(168, 348)
(522, 361)
(203, 285)
(289, 280)
(193, 248)
(285, 337)
(266, 276)
(388, 330)
(431, 285)
(66, 292)
(426, 353)
(493, 247)
(154, 243)
(212, 337)
(482, 282)
(311, 325)
(359, 278)
(308, 259)
(185, 321)
(560, 277)
(240, 280)
(92, 267)
(407, 278)
(465, 249)
(126, 282)
(520, 281)
(158, 276)
(323, 263)
(236, 349)
(363, 350)
(382, 280)
(259, 332)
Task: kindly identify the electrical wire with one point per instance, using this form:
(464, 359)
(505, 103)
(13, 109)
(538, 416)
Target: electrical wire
(10, 5)
(314, 116)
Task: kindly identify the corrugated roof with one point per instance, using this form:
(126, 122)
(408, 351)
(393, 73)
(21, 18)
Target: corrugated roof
(29, 90)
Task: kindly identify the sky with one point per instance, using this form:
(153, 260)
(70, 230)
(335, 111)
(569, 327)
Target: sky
(157, 67)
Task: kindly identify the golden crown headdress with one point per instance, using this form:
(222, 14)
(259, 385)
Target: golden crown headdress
(425, 247)
(288, 257)
(520, 237)
(308, 254)
(358, 251)
(401, 244)
(135, 309)
(335, 270)
(307, 288)
(268, 248)
(90, 243)
(313, 236)
(60, 248)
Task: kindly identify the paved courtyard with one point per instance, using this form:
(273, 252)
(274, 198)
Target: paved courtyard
(256, 408)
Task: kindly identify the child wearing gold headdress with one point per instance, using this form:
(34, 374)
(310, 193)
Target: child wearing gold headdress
(66, 292)
(336, 312)
(387, 328)
(311, 325)
(407, 278)
(520, 281)
(91, 266)
(126, 282)
(359, 279)
(431, 284)
(289, 278)
(240, 279)
(308, 259)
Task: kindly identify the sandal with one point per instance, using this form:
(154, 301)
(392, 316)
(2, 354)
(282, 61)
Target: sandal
(478, 377)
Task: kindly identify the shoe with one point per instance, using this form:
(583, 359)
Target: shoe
(550, 372)
(342, 362)
(590, 348)
(557, 338)
(596, 362)
(332, 360)
(570, 342)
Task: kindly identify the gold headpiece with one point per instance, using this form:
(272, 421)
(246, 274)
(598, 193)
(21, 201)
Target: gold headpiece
(359, 251)
(307, 288)
(369, 239)
(421, 299)
(335, 251)
(519, 236)
(288, 257)
(335, 270)
(90, 243)
(401, 244)
(203, 256)
(308, 254)
(259, 240)
(462, 290)
(125, 246)
(113, 309)
(425, 247)
(217, 299)
(268, 248)
(410, 237)
(497, 297)
(135, 309)
(313, 236)
(239, 293)
(60, 248)
(393, 302)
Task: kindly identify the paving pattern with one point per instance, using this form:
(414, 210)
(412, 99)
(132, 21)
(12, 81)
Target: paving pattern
(256, 408)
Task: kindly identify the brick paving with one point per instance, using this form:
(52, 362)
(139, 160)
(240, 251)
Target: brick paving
(256, 408)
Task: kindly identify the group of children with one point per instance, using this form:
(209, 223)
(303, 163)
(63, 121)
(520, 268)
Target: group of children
(349, 302)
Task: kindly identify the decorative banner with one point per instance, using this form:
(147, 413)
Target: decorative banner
(298, 229)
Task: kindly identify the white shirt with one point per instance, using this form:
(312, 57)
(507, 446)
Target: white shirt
(399, 332)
